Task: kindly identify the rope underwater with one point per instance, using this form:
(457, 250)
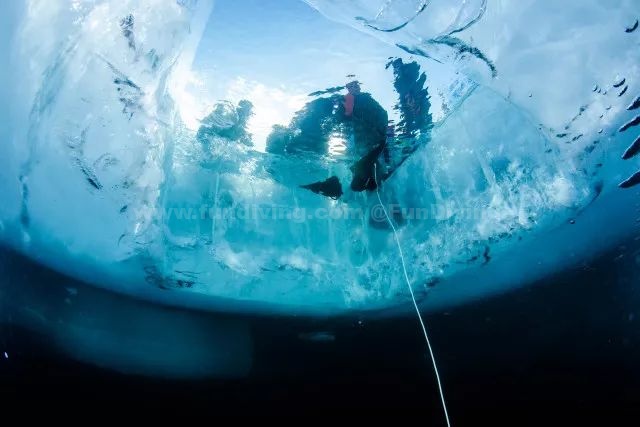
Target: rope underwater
(413, 298)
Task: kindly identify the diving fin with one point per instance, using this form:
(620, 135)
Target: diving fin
(330, 187)
(364, 171)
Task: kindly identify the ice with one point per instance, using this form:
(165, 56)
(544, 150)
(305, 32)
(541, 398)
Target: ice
(92, 107)
(476, 184)
(108, 174)
(546, 55)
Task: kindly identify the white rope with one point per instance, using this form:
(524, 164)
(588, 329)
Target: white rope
(413, 298)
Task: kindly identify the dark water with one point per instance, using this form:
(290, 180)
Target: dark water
(565, 351)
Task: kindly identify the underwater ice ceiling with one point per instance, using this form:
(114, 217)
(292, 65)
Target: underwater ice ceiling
(227, 155)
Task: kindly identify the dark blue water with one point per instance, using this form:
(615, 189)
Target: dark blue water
(565, 349)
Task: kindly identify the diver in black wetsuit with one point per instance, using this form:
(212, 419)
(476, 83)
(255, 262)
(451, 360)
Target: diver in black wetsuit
(369, 122)
(357, 113)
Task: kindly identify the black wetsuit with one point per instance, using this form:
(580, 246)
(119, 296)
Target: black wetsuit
(368, 123)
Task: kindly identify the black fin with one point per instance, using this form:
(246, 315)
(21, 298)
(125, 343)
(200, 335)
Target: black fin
(330, 187)
(364, 174)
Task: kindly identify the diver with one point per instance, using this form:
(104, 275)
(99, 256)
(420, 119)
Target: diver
(360, 116)
(227, 121)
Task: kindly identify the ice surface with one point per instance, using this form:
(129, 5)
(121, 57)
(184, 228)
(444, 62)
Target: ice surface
(105, 176)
